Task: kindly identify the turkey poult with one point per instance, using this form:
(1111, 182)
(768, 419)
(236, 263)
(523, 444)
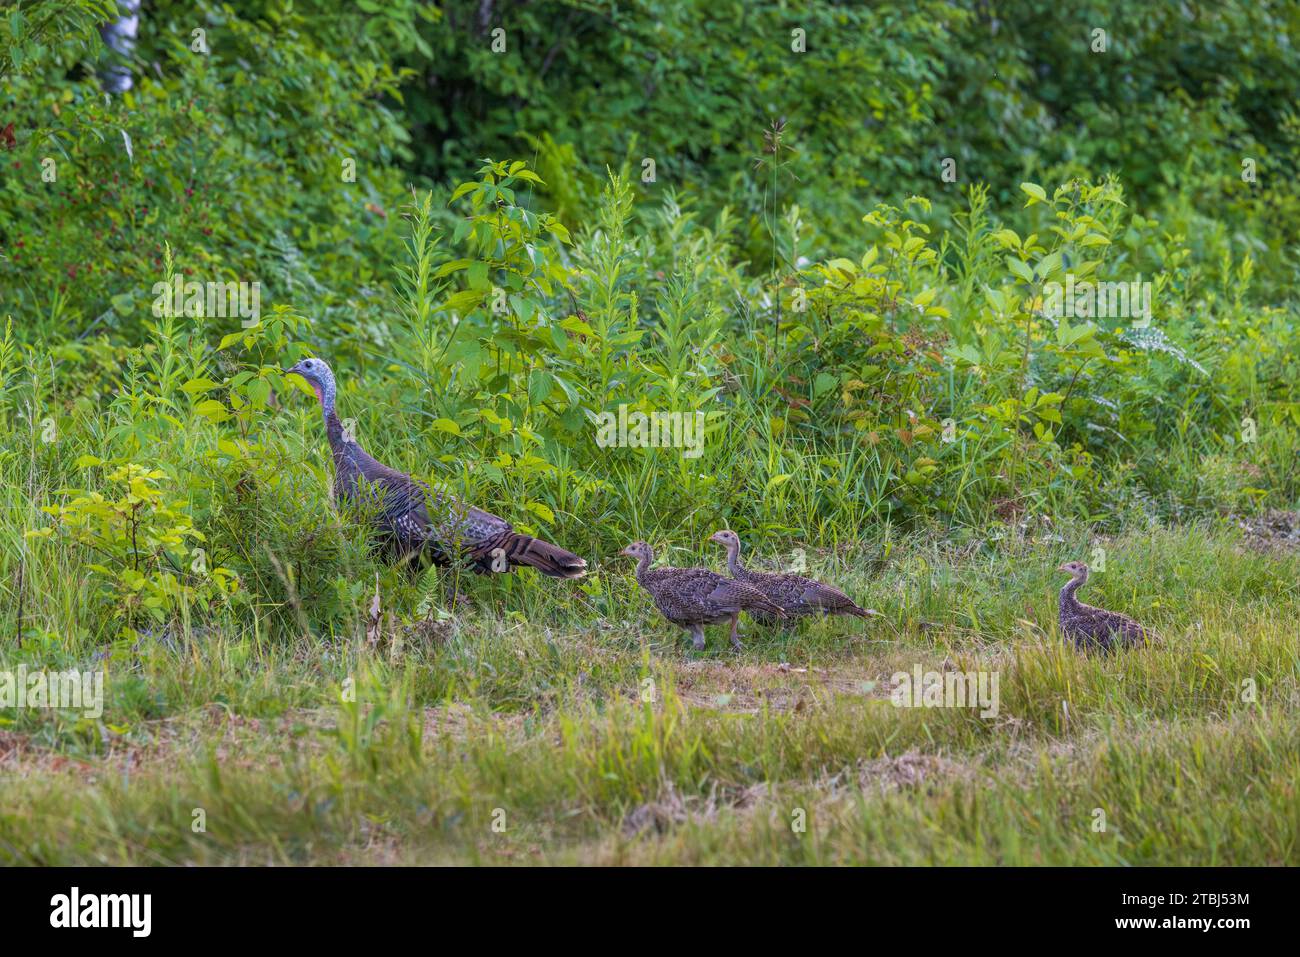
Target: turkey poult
(796, 594)
(694, 597)
(1090, 627)
(415, 523)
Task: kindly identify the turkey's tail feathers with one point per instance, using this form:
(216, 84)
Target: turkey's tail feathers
(548, 559)
(765, 605)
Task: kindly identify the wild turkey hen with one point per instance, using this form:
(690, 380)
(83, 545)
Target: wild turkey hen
(1090, 627)
(796, 594)
(416, 523)
(694, 597)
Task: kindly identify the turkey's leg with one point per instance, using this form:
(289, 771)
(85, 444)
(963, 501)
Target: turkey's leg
(697, 635)
(735, 638)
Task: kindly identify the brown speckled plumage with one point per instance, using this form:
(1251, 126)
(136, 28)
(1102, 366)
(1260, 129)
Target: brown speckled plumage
(1090, 627)
(416, 523)
(795, 593)
(694, 597)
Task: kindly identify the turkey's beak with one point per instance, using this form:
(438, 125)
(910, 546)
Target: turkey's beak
(717, 537)
(296, 370)
(1062, 568)
(628, 552)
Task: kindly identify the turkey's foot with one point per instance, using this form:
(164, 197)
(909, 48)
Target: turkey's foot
(735, 633)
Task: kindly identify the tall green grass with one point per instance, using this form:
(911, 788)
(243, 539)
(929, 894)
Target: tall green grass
(614, 744)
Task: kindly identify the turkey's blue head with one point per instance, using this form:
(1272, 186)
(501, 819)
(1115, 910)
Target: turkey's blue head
(319, 376)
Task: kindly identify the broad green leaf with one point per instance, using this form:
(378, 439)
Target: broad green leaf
(776, 480)
(1036, 193)
(541, 511)
(1021, 269)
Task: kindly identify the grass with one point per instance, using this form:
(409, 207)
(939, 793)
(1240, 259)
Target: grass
(573, 738)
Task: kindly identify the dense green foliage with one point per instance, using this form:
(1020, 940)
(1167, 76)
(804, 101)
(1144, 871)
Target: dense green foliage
(884, 92)
(861, 356)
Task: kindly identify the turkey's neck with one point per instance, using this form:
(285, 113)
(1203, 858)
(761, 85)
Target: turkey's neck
(733, 560)
(340, 442)
(643, 566)
(1068, 601)
(333, 429)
